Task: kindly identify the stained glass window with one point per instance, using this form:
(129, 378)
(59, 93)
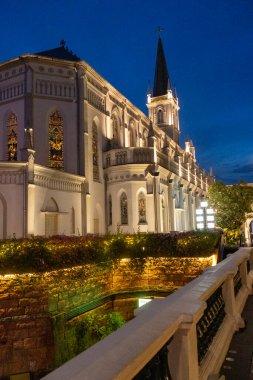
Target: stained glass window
(123, 209)
(56, 140)
(12, 137)
(95, 151)
(142, 208)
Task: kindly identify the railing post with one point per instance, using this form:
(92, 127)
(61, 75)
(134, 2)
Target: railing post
(229, 299)
(183, 354)
(244, 275)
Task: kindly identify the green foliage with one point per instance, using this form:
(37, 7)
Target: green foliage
(232, 203)
(93, 327)
(44, 254)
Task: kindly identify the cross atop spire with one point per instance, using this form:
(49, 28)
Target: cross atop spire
(159, 29)
(162, 80)
(63, 43)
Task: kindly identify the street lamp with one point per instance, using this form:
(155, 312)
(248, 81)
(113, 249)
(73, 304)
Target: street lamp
(205, 216)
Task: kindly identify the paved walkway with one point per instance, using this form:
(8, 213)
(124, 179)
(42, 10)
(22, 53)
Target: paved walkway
(238, 364)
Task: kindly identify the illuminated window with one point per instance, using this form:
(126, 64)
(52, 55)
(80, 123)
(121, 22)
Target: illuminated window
(123, 209)
(12, 137)
(56, 140)
(110, 210)
(95, 151)
(142, 208)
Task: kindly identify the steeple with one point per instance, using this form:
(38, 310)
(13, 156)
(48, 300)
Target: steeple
(162, 79)
(163, 103)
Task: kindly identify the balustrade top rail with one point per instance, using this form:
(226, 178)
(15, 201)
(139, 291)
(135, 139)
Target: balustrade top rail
(146, 155)
(124, 353)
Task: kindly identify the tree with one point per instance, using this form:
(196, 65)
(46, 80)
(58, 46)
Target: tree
(232, 203)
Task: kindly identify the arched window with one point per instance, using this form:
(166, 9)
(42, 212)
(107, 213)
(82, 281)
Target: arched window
(123, 209)
(132, 134)
(110, 210)
(95, 151)
(115, 132)
(145, 138)
(160, 116)
(12, 137)
(142, 208)
(55, 140)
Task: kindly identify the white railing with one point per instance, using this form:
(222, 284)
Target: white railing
(176, 322)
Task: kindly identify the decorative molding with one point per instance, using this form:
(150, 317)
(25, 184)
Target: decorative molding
(53, 183)
(117, 102)
(8, 177)
(53, 88)
(12, 91)
(131, 113)
(96, 85)
(96, 100)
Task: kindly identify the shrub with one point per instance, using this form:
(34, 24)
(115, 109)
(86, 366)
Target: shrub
(43, 254)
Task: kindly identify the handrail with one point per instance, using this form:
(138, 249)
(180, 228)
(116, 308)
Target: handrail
(124, 353)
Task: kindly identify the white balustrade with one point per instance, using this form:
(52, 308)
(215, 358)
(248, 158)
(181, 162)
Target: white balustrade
(173, 321)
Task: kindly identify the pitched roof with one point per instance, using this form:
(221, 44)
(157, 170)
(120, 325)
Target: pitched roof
(162, 79)
(61, 52)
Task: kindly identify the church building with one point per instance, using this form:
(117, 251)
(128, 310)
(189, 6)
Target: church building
(77, 157)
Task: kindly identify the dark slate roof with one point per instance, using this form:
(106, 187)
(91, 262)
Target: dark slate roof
(162, 79)
(61, 52)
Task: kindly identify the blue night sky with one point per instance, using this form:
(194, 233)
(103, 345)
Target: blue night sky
(209, 50)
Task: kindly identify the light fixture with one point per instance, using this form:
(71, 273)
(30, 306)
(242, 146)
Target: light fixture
(205, 216)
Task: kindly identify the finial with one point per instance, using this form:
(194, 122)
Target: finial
(63, 43)
(159, 29)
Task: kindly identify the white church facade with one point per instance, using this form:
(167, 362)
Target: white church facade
(77, 157)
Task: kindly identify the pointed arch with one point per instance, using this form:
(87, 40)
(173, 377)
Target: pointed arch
(142, 208)
(12, 137)
(123, 209)
(116, 133)
(160, 116)
(55, 129)
(52, 206)
(145, 138)
(132, 134)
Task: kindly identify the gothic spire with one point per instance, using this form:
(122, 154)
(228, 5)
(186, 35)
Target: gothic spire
(162, 80)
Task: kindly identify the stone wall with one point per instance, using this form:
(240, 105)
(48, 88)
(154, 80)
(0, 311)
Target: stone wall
(36, 310)
(26, 334)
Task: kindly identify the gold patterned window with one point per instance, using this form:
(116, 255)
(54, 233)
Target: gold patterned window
(142, 208)
(95, 151)
(12, 137)
(56, 140)
(123, 209)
